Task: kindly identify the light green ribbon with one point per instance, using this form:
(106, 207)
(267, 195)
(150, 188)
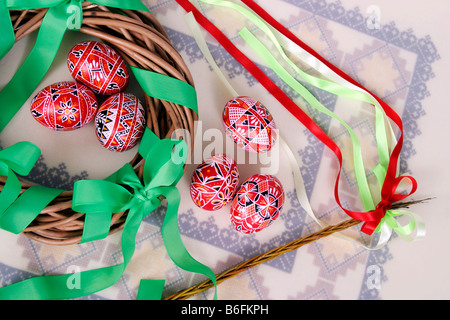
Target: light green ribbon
(380, 170)
(415, 224)
(358, 162)
(61, 16)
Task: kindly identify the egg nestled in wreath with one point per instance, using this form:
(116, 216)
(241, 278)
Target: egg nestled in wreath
(214, 182)
(64, 106)
(257, 203)
(120, 122)
(99, 67)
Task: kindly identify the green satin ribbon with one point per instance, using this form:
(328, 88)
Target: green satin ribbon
(166, 88)
(18, 210)
(61, 16)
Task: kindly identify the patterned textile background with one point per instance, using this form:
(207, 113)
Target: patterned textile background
(400, 51)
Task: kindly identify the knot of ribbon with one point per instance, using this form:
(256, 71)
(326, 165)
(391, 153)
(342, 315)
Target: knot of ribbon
(145, 195)
(383, 213)
(384, 205)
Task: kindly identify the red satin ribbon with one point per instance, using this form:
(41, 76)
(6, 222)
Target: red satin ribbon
(372, 218)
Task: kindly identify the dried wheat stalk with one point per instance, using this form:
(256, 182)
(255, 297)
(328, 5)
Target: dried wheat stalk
(273, 254)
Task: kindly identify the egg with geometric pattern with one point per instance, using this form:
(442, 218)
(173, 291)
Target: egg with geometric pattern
(257, 203)
(214, 182)
(64, 106)
(99, 67)
(249, 123)
(120, 122)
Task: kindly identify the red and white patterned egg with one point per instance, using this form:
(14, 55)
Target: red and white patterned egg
(64, 106)
(98, 66)
(249, 124)
(214, 182)
(120, 122)
(257, 203)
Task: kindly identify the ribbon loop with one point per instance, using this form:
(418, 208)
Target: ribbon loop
(383, 213)
(20, 157)
(144, 195)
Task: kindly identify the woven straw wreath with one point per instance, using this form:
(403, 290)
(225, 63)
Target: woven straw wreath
(143, 43)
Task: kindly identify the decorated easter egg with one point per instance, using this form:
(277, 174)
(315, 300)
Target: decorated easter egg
(214, 182)
(120, 122)
(99, 67)
(257, 203)
(249, 124)
(64, 106)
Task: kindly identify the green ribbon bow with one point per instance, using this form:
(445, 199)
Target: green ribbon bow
(123, 190)
(61, 16)
(18, 210)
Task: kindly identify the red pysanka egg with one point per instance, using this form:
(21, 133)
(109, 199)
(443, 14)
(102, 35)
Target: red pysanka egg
(120, 122)
(64, 106)
(214, 182)
(250, 124)
(257, 203)
(99, 67)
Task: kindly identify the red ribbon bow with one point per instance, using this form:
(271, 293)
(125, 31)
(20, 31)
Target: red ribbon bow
(389, 196)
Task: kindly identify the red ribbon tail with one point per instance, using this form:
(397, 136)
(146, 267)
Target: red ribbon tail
(369, 227)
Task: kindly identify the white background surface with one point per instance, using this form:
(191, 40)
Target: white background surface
(419, 270)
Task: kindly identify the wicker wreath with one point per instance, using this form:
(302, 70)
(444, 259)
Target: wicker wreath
(141, 40)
